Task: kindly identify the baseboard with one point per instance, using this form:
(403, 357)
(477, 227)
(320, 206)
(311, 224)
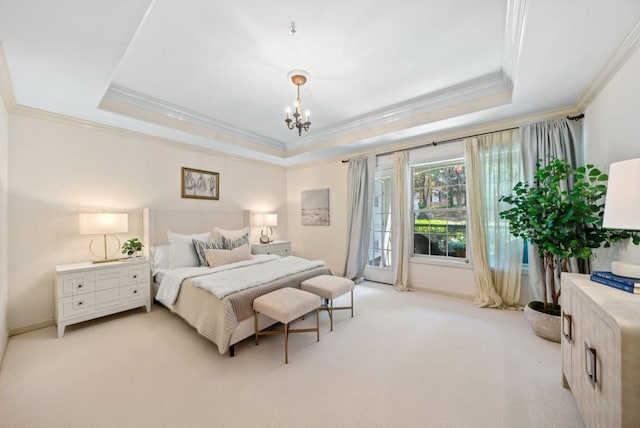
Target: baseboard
(441, 292)
(31, 327)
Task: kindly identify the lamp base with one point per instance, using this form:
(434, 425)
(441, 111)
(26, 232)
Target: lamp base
(625, 269)
(104, 260)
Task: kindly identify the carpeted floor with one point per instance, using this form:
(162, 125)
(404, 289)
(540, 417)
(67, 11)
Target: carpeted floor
(405, 360)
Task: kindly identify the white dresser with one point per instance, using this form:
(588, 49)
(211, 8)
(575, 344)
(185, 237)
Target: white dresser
(280, 248)
(86, 291)
(601, 351)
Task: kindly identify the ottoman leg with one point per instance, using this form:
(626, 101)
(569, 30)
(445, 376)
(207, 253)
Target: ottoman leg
(351, 303)
(331, 315)
(318, 324)
(286, 343)
(255, 325)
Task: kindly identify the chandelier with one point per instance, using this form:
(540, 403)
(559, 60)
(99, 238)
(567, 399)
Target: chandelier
(299, 78)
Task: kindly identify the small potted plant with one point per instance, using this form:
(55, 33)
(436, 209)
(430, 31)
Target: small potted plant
(132, 247)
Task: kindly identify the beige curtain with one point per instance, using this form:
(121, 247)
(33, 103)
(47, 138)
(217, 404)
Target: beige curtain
(404, 222)
(494, 166)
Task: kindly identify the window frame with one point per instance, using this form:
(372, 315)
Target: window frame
(441, 259)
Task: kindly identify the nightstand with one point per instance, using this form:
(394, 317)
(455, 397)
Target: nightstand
(85, 291)
(280, 248)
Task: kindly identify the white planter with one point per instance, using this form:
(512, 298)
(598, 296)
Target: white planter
(544, 325)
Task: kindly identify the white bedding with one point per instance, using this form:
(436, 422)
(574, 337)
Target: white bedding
(228, 279)
(170, 287)
(221, 284)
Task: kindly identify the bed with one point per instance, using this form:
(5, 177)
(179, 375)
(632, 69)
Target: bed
(228, 319)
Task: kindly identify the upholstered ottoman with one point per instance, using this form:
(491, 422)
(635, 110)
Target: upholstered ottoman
(329, 287)
(286, 305)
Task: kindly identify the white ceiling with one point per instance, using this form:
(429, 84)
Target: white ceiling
(213, 73)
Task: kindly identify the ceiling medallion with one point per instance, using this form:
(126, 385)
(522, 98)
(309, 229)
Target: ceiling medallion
(299, 78)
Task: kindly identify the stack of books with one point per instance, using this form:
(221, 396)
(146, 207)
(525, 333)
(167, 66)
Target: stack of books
(630, 285)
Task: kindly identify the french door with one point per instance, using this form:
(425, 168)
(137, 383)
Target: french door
(381, 260)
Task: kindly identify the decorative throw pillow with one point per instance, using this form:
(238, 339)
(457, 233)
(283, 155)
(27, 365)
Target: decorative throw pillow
(222, 257)
(200, 246)
(230, 244)
(231, 234)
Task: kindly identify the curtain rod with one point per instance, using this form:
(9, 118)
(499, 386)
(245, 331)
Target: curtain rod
(452, 140)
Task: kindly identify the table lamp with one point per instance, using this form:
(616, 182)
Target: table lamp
(622, 207)
(267, 222)
(104, 224)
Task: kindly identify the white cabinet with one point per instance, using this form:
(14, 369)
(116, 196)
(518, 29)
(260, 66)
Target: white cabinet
(280, 248)
(86, 291)
(601, 351)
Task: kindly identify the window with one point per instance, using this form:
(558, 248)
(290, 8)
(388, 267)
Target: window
(440, 209)
(380, 240)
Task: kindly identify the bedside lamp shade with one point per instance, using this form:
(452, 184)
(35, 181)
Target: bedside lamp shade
(271, 220)
(103, 224)
(622, 206)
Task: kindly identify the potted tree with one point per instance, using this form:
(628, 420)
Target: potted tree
(563, 223)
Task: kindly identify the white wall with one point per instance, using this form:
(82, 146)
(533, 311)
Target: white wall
(58, 170)
(4, 278)
(612, 134)
(319, 242)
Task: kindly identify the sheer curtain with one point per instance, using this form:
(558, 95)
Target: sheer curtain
(360, 181)
(544, 141)
(494, 166)
(404, 220)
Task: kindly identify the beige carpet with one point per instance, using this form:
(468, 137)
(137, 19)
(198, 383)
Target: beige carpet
(405, 360)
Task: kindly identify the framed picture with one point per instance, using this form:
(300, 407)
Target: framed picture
(315, 207)
(199, 184)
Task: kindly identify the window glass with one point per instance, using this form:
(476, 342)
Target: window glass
(440, 209)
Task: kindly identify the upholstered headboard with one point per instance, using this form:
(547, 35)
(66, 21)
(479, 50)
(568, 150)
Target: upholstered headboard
(156, 222)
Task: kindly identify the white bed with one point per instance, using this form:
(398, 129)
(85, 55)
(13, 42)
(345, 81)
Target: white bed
(224, 321)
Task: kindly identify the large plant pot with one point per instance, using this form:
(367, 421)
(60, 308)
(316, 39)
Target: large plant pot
(544, 325)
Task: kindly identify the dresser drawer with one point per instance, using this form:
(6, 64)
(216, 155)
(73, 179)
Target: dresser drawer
(76, 283)
(134, 293)
(75, 306)
(134, 275)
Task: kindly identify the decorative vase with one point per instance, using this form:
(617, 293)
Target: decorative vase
(544, 325)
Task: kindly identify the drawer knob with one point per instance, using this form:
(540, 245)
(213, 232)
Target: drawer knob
(135, 291)
(79, 286)
(80, 302)
(134, 276)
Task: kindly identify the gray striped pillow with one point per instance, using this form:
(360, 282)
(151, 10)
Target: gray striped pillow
(200, 246)
(230, 244)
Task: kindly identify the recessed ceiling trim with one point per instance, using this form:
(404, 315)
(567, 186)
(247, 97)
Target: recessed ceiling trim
(617, 60)
(6, 86)
(172, 111)
(472, 90)
(513, 36)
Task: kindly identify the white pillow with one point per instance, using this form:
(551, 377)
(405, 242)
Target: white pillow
(160, 257)
(181, 237)
(231, 235)
(223, 257)
(183, 255)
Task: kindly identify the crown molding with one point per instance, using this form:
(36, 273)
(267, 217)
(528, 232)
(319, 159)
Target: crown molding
(626, 49)
(35, 113)
(6, 86)
(513, 35)
(452, 134)
(481, 91)
(171, 113)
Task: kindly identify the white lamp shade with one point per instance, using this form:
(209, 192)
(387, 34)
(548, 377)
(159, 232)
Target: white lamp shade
(103, 223)
(622, 203)
(271, 219)
(262, 220)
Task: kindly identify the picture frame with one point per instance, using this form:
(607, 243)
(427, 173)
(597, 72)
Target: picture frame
(200, 184)
(315, 207)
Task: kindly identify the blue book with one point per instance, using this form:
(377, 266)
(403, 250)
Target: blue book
(615, 284)
(632, 282)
